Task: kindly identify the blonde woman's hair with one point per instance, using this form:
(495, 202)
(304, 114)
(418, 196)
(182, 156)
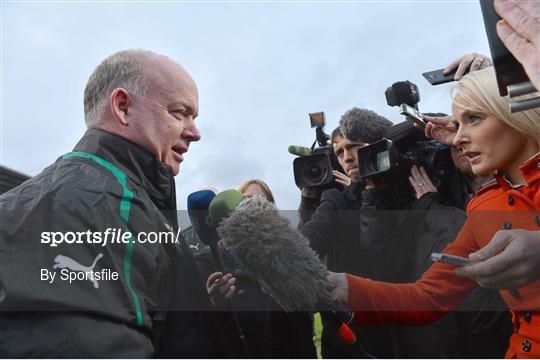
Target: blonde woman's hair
(478, 91)
(265, 188)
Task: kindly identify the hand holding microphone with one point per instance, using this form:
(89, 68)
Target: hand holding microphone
(339, 287)
(217, 285)
(221, 289)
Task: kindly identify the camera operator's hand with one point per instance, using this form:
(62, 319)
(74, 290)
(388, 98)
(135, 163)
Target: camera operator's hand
(341, 178)
(511, 260)
(220, 289)
(309, 192)
(519, 30)
(440, 128)
(338, 287)
(472, 61)
(371, 184)
(421, 182)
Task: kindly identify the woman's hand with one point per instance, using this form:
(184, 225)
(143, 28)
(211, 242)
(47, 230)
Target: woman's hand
(440, 128)
(421, 182)
(509, 261)
(519, 31)
(338, 287)
(472, 61)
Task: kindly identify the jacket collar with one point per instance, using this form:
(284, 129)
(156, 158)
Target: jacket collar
(139, 165)
(530, 171)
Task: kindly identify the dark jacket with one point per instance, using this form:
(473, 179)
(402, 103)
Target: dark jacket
(357, 234)
(270, 332)
(106, 183)
(481, 326)
(360, 234)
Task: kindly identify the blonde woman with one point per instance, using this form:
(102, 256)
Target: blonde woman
(494, 140)
(256, 187)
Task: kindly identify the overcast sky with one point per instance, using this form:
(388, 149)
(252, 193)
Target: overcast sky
(261, 67)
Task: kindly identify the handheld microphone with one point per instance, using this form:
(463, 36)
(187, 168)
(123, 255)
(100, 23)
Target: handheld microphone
(299, 150)
(197, 207)
(278, 257)
(198, 203)
(223, 204)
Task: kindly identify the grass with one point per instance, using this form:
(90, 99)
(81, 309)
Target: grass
(318, 331)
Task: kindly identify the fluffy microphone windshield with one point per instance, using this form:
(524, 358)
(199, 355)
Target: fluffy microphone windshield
(362, 125)
(276, 255)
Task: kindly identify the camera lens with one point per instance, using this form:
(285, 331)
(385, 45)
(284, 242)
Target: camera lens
(383, 161)
(314, 172)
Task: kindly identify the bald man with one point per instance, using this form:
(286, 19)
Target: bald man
(81, 272)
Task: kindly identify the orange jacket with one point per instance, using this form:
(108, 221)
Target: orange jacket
(495, 207)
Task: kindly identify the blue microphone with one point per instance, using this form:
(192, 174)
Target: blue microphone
(198, 203)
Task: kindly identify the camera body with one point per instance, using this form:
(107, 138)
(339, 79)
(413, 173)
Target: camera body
(315, 170)
(402, 92)
(403, 145)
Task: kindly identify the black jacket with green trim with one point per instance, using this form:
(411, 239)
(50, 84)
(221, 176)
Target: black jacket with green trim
(107, 182)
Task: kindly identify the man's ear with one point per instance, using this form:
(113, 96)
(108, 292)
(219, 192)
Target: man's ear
(120, 103)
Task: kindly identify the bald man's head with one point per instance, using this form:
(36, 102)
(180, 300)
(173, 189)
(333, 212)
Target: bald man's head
(146, 98)
(123, 69)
